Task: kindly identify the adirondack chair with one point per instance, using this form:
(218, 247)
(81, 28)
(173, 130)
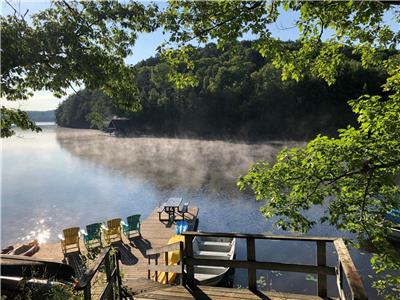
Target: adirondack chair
(112, 231)
(70, 239)
(92, 235)
(133, 225)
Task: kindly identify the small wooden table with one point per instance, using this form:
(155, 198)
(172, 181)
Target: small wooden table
(171, 207)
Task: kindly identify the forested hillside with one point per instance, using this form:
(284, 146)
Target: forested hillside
(86, 109)
(239, 95)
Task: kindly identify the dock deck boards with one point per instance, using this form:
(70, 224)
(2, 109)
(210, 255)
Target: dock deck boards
(218, 293)
(133, 253)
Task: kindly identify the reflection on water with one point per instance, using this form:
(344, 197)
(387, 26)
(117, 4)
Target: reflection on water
(64, 177)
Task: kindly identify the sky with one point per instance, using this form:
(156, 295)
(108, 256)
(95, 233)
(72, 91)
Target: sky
(144, 48)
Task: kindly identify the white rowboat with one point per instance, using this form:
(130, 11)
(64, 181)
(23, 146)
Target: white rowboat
(212, 248)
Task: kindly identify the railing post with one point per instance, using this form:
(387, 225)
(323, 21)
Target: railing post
(321, 261)
(148, 270)
(156, 272)
(183, 276)
(251, 257)
(349, 271)
(87, 292)
(119, 280)
(339, 281)
(190, 281)
(166, 263)
(108, 272)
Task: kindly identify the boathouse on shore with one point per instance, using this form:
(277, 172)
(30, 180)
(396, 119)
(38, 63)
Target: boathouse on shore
(118, 126)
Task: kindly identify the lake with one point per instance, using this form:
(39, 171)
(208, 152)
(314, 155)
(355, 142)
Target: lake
(72, 177)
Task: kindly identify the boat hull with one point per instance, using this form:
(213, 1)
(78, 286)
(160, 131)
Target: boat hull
(395, 234)
(212, 248)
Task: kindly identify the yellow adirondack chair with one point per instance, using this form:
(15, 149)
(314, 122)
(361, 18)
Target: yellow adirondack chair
(173, 258)
(112, 232)
(70, 239)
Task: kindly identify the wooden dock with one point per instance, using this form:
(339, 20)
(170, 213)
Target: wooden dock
(133, 252)
(154, 234)
(136, 265)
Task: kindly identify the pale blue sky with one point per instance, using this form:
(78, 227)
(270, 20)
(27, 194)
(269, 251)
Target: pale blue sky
(144, 48)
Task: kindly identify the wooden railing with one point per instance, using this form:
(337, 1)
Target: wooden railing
(345, 264)
(109, 258)
(155, 254)
(347, 268)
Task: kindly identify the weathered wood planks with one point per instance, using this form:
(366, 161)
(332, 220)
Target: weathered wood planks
(218, 293)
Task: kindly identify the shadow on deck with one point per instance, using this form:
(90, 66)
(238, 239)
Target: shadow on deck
(127, 258)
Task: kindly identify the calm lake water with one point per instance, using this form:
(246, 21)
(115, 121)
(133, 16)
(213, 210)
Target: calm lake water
(65, 177)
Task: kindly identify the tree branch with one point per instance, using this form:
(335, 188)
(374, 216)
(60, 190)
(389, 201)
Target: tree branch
(12, 7)
(207, 30)
(366, 191)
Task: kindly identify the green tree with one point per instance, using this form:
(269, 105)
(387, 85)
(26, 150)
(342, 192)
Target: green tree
(86, 109)
(69, 44)
(355, 174)
(86, 42)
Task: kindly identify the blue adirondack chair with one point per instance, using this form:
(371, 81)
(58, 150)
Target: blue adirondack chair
(92, 235)
(394, 216)
(133, 225)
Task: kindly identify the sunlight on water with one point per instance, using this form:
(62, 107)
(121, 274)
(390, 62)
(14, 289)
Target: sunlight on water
(40, 233)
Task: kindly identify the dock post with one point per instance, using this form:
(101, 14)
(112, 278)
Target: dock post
(251, 257)
(321, 262)
(190, 281)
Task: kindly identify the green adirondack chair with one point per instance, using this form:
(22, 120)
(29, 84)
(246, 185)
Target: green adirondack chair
(133, 225)
(92, 235)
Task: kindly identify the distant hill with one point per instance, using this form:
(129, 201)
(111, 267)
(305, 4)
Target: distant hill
(239, 95)
(42, 116)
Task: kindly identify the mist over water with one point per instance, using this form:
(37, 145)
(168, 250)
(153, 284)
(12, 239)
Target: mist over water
(170, 163)
(68, 177)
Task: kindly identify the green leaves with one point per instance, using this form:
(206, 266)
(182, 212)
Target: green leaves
(19, 118)
(180, 64)
(353, 176)
(83, 43)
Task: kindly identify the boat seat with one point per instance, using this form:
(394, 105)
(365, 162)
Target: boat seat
(211, 255)
(202, 277)
(209, 269)
(215, 246)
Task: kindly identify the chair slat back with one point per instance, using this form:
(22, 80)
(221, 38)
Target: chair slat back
(114, 226)
(71, 235)
(133, 221)
(93, 229)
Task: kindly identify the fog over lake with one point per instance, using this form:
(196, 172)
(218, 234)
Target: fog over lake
(72, 177)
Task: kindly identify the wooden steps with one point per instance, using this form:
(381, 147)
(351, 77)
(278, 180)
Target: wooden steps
(143, 285)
